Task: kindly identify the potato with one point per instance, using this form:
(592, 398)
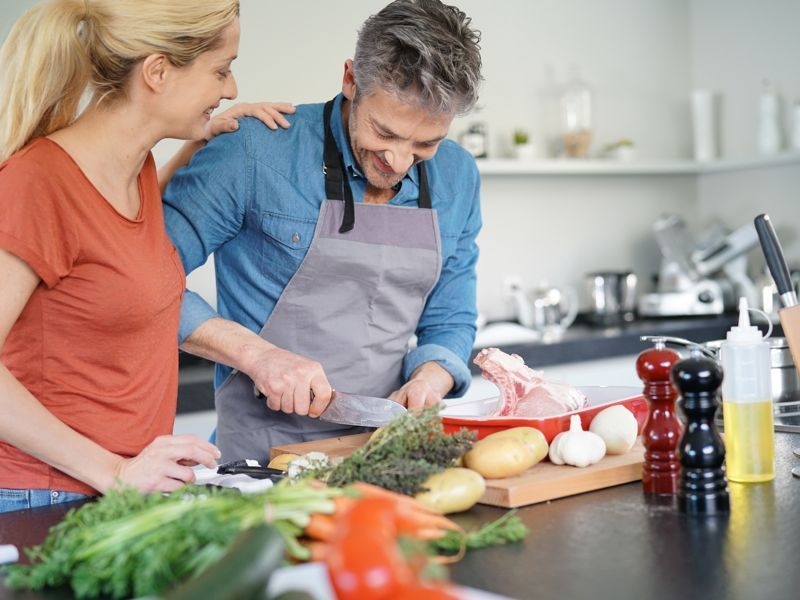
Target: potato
(496, 457)
(453, 490)
(282, 461)
(532, 437)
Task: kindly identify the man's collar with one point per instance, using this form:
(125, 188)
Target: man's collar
(337, 127)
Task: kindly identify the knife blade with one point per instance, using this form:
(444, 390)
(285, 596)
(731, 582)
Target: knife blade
(361, 411)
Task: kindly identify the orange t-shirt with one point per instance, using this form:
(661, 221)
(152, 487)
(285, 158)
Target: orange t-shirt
(96, 343)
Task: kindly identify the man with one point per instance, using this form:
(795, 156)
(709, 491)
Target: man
(337, 239)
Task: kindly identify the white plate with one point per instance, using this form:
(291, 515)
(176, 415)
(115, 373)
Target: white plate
(312, 578)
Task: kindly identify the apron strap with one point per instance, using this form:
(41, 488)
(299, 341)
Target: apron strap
(337, 185)
(424, 192)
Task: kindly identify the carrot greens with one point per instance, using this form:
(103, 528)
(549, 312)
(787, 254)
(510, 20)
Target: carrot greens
(127, 544)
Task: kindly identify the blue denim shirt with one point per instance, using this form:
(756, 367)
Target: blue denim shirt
(252, 197)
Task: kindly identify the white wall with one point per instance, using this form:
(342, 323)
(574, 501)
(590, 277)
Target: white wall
(736, 44)
(642, 58)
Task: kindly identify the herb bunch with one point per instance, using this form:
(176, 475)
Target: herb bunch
(127, 544)
(402, 455)
(504, 530)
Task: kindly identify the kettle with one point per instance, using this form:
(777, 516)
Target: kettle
(547, 310)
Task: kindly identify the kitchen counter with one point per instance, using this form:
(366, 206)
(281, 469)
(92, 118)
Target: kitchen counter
(581, 342)
(611, 543)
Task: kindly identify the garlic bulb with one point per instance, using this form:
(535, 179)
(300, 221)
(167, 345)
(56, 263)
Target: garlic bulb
(618, 428)
(577, 447)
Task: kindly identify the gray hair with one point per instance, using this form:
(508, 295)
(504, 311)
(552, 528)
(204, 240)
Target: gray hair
(422, 51)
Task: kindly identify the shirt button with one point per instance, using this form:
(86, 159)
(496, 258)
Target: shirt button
(296, 238)
(54, 495)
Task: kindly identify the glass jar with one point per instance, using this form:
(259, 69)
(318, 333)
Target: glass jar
(576, 116)
(475, 140)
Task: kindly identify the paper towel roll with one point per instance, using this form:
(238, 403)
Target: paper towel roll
(704, 125)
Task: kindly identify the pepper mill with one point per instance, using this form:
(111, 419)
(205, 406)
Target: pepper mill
(703, 486)
(662, 429)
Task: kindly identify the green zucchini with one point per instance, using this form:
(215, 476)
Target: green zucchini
(242, 572)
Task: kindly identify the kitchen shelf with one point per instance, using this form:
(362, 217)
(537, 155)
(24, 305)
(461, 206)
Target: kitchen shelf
(510, 166)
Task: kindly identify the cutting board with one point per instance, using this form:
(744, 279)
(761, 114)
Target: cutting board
(541, 482)
(339, 446)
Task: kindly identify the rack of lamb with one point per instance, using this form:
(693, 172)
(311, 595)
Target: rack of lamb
(525, 392)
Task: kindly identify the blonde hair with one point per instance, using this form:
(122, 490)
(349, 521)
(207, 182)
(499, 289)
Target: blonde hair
(61, 49)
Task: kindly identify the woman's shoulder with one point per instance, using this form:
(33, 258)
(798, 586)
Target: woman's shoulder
(37, 163)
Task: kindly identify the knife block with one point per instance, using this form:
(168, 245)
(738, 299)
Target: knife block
(790, 321)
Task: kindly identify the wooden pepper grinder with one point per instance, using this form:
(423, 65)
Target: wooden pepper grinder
(662, 429)
(703, 485)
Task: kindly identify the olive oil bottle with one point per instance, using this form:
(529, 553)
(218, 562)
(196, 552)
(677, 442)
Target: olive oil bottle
(747, 403)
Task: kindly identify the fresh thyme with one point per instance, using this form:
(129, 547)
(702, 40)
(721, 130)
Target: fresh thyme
(403, 455)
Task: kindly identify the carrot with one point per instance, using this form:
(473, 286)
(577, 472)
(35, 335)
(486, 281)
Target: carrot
(367, 490)
(412, 521)
(321, 527)
(342, 504)
(319, 551)
(429, 535)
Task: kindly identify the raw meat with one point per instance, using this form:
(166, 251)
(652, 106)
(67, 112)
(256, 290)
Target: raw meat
(525, 392)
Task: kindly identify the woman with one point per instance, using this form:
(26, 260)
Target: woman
(92, 286)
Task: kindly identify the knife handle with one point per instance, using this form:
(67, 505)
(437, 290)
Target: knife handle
(773, 253)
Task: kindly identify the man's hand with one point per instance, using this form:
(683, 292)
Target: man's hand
(166, 463)
(269, 113)
(428, 384)
(290, 383)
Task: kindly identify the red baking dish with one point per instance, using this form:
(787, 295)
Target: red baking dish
(472, 414)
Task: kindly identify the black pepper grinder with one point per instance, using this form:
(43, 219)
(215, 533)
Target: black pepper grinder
(703, 486)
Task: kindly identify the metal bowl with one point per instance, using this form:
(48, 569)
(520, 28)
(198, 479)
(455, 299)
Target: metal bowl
(784, 376)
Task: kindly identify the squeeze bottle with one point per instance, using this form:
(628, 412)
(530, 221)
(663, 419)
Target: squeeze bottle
(747, 402)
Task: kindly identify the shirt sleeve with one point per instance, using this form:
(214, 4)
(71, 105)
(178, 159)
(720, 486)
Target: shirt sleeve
(446, 329)
(37, 224)
(204, 207)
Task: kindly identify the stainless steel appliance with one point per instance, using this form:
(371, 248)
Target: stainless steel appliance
(783, 375)
(612, 297)
(545, 309)
(699, 279)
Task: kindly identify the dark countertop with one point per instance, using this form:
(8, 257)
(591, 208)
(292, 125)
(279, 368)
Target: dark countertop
(583, 341)
(612, 543)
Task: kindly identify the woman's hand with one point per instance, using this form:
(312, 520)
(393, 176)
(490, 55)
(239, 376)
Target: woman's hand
(166, 464)
(269, 113)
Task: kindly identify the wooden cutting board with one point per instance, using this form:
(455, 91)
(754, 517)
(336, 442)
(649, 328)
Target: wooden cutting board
(541, 482)
(339, 446)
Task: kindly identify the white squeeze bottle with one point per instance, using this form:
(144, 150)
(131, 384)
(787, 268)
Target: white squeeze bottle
(747, 402)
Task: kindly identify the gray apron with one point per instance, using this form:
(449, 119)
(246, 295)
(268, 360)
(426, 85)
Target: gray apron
(352, 305)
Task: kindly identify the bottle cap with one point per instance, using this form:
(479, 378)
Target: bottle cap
(744, 333)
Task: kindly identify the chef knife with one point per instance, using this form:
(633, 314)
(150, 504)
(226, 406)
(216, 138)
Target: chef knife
(362, 411)
(773, 253)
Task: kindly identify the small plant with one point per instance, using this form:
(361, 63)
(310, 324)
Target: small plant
(620, 143)
(520, 137)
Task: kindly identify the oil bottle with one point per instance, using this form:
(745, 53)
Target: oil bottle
(747, 402)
